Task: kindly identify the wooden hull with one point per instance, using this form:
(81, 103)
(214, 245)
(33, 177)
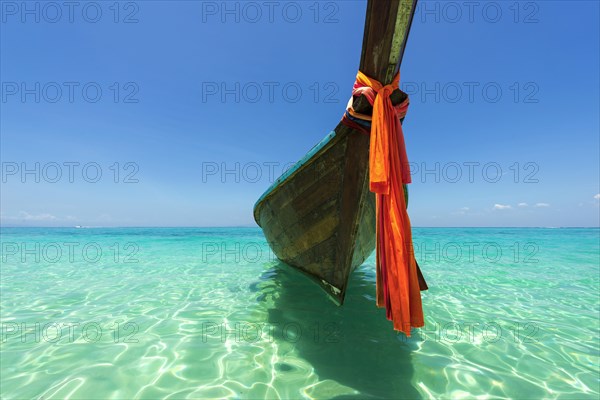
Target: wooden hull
(320, 216)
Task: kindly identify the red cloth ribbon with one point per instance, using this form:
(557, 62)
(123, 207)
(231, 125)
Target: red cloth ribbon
(397, 280)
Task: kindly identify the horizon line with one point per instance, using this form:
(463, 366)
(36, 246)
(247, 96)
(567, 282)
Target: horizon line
(256, 226)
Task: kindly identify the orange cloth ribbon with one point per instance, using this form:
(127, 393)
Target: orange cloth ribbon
(397, 280)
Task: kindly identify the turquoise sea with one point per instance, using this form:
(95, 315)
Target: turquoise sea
(209, 313)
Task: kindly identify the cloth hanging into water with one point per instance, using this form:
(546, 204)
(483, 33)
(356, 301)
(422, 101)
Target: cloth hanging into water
(398, 287)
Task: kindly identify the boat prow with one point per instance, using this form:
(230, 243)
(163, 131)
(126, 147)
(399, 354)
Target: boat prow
(311, 218)
(320, 215)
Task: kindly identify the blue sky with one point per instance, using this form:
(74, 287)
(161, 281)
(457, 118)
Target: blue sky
(189, 109)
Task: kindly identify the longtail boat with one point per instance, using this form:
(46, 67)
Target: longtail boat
(320, 216)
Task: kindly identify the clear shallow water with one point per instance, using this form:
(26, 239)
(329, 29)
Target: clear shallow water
(209, 313)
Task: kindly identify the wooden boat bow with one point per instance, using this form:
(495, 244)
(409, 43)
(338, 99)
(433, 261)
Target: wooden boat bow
(319, 217)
